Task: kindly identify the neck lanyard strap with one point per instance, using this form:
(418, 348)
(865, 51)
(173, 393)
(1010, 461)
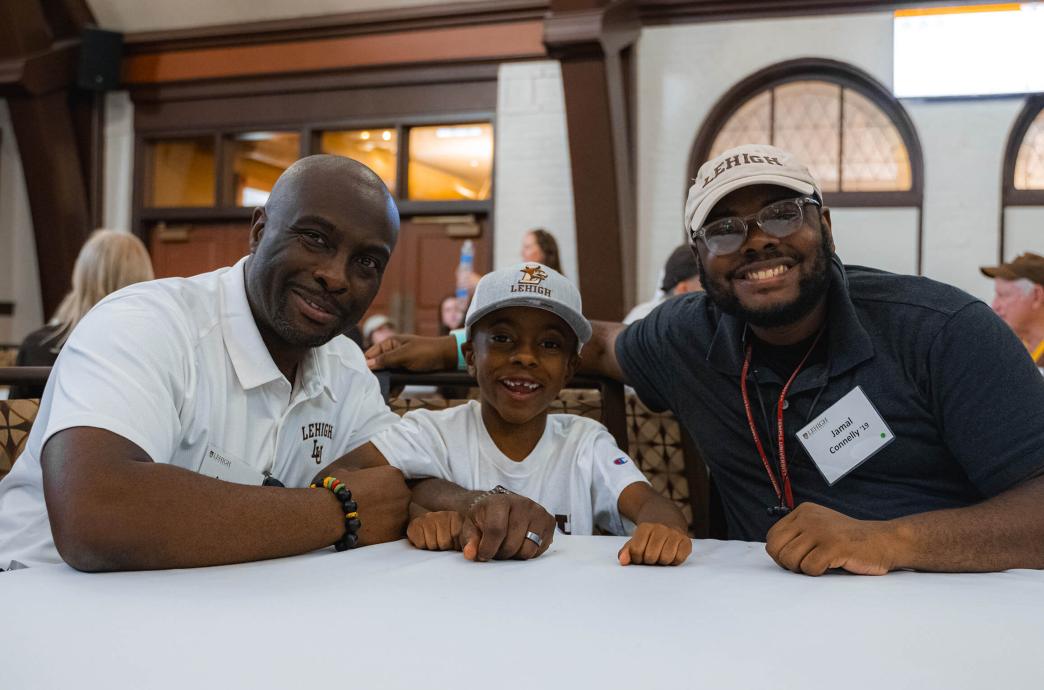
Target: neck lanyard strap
(1036, 354)
(785, 495)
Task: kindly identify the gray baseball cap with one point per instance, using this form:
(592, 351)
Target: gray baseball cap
(534, 285)
(740, 167)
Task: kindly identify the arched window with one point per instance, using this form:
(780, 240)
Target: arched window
(1023, 194)
(851, 132)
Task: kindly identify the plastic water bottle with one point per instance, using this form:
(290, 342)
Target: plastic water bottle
(464, 271)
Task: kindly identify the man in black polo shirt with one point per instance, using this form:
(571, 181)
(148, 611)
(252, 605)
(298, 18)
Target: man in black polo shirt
(909, 416)
(912, 425)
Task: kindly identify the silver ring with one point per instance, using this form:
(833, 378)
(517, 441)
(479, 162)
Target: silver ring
(534, 537)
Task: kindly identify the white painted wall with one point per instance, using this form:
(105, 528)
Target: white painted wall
(19, 277)
(533, 183)
(119, 161)
(682, 72)
(884, 238)
(964, 142)
(1023, 230)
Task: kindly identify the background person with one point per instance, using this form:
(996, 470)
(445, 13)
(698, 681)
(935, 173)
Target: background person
(108, 261)
(451, 316)
(539, 245)
(377, 329)
(1019, 300)
(681, 275)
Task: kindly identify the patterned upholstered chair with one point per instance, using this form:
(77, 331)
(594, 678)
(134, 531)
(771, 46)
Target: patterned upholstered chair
(16, 419)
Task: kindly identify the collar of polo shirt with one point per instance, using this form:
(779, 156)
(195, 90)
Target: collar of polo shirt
(250, 358)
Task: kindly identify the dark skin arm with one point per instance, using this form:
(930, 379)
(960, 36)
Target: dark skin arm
(112, 508)
(1006, 531)
(599, 354)
(661, 536)
(444, 516)
(423, 353)
(490, 526)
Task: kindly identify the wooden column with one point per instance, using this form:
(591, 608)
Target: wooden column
(591, 39)
(39, 48)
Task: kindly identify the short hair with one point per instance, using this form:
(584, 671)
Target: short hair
(1025, 285)
(108, 261)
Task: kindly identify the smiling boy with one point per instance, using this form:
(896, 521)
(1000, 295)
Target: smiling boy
(524, 331)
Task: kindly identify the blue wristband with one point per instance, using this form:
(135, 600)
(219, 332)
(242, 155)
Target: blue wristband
(461, 338)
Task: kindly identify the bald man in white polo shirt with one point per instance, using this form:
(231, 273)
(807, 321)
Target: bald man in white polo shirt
(174, 401)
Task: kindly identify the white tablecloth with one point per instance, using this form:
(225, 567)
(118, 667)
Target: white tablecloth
(394, 617)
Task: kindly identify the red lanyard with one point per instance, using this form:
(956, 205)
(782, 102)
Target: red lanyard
(786, 494)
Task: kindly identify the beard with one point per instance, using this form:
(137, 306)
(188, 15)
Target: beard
(811, 288)
(292, 334)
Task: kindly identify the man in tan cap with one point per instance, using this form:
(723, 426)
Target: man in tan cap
(851, 418)
(1019, 299)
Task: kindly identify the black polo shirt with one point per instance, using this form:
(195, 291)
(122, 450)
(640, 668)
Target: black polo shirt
(950, 379)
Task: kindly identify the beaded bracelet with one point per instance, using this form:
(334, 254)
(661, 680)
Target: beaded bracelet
(351, 512)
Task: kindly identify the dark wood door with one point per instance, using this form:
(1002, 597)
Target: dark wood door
(423, 270)
(184, 249)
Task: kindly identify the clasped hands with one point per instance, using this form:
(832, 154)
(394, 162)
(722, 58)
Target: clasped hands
(497, 525)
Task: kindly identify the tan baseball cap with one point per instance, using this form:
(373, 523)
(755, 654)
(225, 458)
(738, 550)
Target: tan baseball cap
(745, 166)
(534, 285)
(1029, 266)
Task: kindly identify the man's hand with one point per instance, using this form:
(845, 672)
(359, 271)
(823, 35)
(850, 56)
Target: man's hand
(655, 544)
(436, 531)
(383, 502)
(414, 353)
(813, 539)
(497, 524)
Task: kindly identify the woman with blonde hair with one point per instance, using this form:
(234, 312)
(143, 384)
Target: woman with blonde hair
(108, 261)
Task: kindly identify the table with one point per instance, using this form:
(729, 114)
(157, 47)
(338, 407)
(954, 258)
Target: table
(390, 616)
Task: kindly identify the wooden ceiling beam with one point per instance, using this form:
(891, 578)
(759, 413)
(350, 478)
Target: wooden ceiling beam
(37, 77)
(592, 39)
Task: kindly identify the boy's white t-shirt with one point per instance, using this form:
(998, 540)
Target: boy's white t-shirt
(576, 472)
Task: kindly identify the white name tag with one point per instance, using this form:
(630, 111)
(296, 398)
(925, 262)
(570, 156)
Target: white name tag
(220, 465)
(845, 436)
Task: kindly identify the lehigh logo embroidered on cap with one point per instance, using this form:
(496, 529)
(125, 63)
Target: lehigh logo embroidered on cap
(530, 281)
(533, 275)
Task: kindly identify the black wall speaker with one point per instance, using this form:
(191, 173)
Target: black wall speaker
(101, 53)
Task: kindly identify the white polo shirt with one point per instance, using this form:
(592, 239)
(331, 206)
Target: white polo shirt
(178, 367)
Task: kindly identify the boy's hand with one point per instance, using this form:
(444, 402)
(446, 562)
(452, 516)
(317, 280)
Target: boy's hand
(497, 525)
(436, 531)
(656, 544)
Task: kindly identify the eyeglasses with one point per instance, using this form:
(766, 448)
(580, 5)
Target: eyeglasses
(726, 235)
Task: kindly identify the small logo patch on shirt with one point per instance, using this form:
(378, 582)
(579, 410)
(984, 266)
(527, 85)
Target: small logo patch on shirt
(620, 461)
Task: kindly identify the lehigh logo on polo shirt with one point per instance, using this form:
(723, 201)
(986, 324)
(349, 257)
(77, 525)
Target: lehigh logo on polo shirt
(530, 281)
(314, 432)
